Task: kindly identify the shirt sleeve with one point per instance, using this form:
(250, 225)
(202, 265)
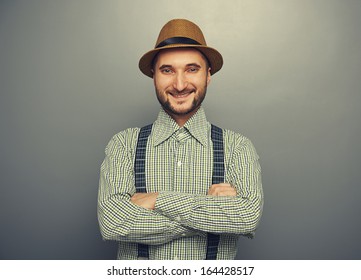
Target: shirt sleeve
(118, 217)
(222, 214)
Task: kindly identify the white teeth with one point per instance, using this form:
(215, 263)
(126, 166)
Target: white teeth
(182, 94)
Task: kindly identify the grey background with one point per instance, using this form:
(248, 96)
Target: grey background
(291, 83)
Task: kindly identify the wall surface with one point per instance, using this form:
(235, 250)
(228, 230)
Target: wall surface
(291, 83)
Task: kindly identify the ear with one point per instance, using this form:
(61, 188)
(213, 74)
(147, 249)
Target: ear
(208, 76)
(152, 73)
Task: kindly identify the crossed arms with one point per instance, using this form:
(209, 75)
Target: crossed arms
(156, 218)
(148, 200)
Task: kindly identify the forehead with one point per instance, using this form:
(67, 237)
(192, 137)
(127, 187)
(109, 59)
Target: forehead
(179, 56)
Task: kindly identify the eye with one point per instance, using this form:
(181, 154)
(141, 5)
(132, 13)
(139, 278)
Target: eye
(166, 71)
(193, 69)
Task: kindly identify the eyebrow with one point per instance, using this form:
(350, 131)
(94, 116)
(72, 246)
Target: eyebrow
(194, 64)
(165, 66)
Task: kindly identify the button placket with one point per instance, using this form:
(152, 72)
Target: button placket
(180, 160)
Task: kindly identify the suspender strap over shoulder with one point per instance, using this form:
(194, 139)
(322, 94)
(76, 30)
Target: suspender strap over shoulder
(217, 177)
(139, 171)
(139, 166)
(218, 155)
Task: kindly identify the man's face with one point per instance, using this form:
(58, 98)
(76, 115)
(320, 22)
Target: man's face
(181, 77)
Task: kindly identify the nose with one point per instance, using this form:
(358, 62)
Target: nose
(180, 82)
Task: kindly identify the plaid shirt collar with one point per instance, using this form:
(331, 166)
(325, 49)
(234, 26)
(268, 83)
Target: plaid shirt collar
(165, 126)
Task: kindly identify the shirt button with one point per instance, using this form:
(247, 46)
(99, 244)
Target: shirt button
(179, 163)
(176, 258)
(178, 218)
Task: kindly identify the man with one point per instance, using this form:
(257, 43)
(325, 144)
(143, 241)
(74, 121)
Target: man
(180, 188)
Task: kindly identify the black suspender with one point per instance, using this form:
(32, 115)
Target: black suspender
(139, 173)
(217, 177)
(139, 165)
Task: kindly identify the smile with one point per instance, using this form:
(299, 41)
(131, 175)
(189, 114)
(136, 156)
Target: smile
(181, 95)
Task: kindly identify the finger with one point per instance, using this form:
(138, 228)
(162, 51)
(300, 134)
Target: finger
(227, 192)
(145, 200)
(216, 186)
(223, 189)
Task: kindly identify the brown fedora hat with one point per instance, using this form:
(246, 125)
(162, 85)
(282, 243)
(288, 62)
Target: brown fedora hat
(181, 33)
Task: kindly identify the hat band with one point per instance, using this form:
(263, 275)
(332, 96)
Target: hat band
(177, 40)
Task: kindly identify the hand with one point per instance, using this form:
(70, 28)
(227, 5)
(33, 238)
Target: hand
(145, 200)
(223, 189)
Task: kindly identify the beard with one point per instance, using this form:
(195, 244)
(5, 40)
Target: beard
(166, 104)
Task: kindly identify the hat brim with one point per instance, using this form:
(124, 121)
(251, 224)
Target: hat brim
(214, 57)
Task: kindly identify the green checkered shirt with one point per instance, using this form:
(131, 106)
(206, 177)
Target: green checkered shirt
(179, 164)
